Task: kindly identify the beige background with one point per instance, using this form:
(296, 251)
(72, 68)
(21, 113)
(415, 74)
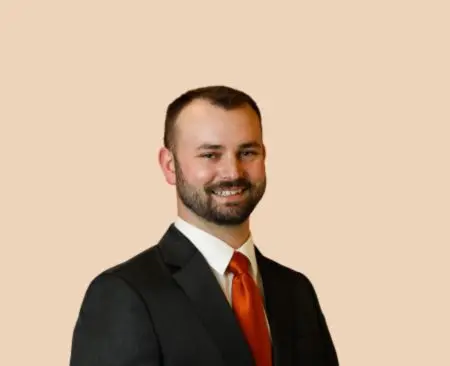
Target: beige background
(355, 96)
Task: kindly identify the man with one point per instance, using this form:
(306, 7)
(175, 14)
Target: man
(205, 295)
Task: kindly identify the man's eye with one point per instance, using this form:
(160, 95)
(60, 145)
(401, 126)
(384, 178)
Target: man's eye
(209, 155)
(248, 153)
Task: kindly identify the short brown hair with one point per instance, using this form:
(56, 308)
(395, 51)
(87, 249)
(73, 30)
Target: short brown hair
(219, 95)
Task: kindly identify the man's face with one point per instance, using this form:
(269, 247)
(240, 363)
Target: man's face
(219, 162)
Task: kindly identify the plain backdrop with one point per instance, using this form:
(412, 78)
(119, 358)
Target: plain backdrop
(355, 99)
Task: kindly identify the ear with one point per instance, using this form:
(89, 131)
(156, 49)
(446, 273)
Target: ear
(167, 164)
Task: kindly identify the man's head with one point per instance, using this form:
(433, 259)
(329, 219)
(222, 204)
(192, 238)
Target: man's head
(214, 153)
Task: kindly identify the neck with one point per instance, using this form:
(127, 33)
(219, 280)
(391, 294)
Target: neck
(235, 236)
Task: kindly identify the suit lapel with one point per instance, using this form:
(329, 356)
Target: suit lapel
(206, 296)
(279, 310)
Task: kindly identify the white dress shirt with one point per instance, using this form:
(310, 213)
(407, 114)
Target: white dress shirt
(218, 254)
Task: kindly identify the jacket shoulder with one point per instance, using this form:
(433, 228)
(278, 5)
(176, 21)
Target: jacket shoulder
(285, 271)
(288, 276)
(144, 268)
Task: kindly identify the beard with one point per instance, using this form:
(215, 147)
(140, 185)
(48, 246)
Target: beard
(201, 200)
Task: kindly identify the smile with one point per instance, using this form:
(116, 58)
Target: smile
(228, 193)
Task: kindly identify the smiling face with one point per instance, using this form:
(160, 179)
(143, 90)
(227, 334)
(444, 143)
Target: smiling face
(219, 163)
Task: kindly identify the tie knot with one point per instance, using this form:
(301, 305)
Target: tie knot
(239, 264)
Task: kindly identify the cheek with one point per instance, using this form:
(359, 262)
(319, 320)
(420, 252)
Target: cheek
(204, 176)
(199, 174)
(256, 171)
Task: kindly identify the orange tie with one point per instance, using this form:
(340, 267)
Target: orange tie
(249, 309)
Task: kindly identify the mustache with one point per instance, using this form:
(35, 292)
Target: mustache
(239, 183)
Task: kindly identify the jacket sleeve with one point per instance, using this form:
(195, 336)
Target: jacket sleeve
(330, 356)
(113, 327)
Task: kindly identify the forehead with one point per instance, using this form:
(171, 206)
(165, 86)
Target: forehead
(203, 123)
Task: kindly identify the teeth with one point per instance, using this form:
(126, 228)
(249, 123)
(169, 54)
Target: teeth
(227, 193)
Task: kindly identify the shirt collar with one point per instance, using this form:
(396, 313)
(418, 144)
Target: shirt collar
(216, 252)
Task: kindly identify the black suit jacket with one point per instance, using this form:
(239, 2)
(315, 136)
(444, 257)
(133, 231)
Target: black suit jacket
(165, 307)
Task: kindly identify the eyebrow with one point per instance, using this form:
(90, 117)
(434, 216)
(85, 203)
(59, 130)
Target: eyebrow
(253, 144)
(246, 145)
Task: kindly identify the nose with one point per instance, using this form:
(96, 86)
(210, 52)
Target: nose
(230, 168)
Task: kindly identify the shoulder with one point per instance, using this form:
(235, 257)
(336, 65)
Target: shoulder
(145, 267)
(276, 268)
(294, 279)
(137, 264)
